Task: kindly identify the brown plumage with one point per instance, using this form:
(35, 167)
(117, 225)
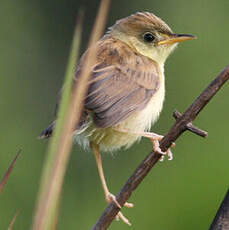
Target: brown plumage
(140, 22)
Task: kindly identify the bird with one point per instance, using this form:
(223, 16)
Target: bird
(126, 89)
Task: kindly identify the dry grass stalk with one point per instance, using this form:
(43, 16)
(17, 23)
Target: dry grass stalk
(59, 151)
(13, 221)
(7, 174)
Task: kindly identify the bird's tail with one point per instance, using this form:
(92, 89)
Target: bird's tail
(48, 131)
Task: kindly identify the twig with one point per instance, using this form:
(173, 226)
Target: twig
(181, 125)
(221, 220)
(190, 127)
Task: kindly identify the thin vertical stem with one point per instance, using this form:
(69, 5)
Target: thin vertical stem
(68, 117)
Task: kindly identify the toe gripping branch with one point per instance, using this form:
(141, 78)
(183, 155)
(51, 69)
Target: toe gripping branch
(190, 127)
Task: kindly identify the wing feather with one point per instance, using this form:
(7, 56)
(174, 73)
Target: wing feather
(121, 83)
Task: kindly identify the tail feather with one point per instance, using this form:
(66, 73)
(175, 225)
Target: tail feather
(48, 131)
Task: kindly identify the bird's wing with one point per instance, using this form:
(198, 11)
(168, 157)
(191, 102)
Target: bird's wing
(122, 82)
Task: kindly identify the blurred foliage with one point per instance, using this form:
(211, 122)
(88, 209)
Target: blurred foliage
(185, 193)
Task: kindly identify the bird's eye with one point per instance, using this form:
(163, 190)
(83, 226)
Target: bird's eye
(148, 37)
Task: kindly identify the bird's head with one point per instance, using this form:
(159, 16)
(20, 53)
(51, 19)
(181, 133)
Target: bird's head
(148, 35)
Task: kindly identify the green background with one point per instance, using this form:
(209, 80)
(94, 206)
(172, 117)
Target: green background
(35, 38)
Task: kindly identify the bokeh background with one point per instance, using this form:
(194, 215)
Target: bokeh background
(35, 38)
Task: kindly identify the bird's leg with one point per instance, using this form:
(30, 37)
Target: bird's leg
(109, 197)
(155, 138)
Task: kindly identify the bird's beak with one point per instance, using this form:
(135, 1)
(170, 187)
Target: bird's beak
(175, 38)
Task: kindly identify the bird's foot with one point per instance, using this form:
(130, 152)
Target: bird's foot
(111, 198)
(154, 137)
(123, 218)
(156, 148)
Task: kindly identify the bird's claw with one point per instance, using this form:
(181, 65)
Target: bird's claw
(156, 148)
(111, 198)
(123, 218)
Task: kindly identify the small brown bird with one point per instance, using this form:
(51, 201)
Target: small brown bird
(127, 88)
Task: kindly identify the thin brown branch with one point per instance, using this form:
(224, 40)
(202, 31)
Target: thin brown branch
(190, 127)
(7, 174)
(221, 220)
(178, 128)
